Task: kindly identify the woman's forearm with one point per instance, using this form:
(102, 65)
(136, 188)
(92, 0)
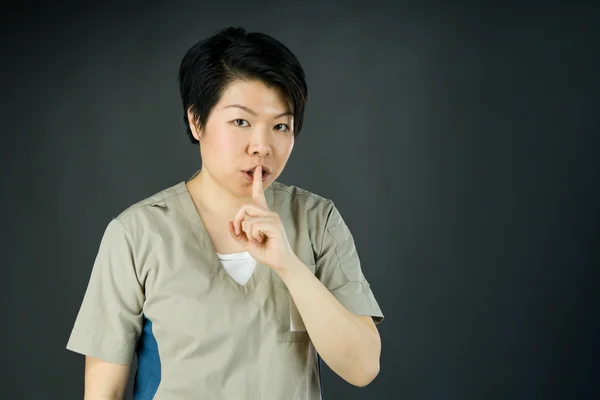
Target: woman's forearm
(348, 346)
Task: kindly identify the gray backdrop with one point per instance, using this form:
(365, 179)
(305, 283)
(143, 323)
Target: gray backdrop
(459, 143)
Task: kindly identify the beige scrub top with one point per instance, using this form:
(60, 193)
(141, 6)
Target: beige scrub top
(158, 289)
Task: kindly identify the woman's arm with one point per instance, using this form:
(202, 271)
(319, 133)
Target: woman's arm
(350, 345)
(104, 380)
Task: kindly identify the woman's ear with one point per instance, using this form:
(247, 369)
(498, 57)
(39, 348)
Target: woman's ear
(194, 125)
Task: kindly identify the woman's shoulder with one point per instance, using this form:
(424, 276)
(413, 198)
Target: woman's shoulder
(152, 206)
(297, 197)
(295, 193)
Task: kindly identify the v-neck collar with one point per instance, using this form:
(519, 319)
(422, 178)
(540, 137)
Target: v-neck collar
(207, 247)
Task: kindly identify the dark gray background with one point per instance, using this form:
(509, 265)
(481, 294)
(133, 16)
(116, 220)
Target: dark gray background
(459, 142)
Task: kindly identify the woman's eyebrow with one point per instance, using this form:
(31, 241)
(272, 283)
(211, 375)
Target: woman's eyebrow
(250, 111)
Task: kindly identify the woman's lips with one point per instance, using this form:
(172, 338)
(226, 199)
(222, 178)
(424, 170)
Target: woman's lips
(250, 177)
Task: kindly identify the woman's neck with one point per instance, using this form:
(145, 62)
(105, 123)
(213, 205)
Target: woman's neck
(212, 199)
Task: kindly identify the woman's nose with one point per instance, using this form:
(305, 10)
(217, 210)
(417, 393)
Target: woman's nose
(260, 143)
(260, 149)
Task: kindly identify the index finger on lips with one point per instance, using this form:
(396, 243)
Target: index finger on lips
(258, 193)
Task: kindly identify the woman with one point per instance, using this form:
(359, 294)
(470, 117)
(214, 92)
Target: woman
(230, 285)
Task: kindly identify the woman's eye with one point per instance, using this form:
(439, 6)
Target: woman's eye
(240, 122)
(285, 127)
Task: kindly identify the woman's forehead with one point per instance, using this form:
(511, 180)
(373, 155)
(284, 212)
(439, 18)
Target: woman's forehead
(254, 97)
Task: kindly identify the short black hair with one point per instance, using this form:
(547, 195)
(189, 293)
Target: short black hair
(234, 53)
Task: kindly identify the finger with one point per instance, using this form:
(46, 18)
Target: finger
(256, 233)
(247, 227)
(239, 217)
(258, 194)
(239, 238)
(249, 210)
(250, 227)
(231, 227)
(244, 226)
(264, 227)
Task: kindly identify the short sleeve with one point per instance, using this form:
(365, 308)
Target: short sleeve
(110, 318)
(338, 268)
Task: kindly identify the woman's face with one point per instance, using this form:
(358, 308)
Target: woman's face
(251, 124)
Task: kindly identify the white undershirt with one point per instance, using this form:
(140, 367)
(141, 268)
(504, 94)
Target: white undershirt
(240, 267)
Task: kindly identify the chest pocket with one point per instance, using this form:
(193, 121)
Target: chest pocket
(297, 232)
(284, 309)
